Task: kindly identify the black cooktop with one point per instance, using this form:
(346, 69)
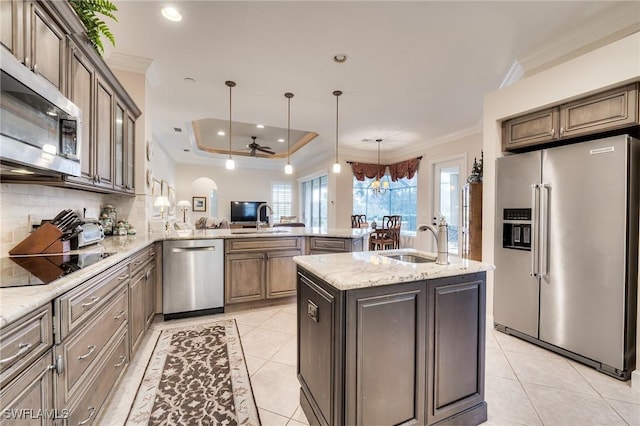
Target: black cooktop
(22, 271)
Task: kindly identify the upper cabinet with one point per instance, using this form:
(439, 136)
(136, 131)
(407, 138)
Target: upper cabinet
(35, 37)
(49, 38)
(606, 111)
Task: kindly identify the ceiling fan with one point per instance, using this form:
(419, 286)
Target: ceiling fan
(254, 146)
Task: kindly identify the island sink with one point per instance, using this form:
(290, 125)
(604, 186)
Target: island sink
(409, 258)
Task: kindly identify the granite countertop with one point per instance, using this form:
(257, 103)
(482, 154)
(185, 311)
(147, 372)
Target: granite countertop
(18, 301)
(349, 271)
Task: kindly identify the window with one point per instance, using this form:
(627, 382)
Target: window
(447, 185)
(281, 200)
(314, 202)
(399, 199)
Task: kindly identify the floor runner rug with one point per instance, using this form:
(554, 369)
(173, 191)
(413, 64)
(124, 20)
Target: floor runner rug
(196, 375)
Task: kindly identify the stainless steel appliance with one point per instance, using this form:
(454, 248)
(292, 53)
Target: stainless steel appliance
(39, 127)
(192, 278)
(567, 250)
(89, 233)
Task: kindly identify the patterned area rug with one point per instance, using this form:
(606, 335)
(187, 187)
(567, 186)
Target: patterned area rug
(196, 376)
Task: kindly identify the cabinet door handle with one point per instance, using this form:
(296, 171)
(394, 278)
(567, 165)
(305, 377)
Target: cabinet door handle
(120, 315)
(153, 253)
(91, 349)
(562, 130)
(553, 132)
(35, 69)
(58, 365)
(146, 276)
(94, 300)
(92, 411)
(27, 61)
(23, 348)
(139, 263)
(123, 277)
(123, 359)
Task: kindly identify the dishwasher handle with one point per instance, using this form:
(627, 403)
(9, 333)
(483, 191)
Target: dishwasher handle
(192, 249)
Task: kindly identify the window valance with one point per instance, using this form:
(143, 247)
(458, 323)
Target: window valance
(397, 171)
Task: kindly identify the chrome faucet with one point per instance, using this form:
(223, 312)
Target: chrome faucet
(441, 233)
(258, 223)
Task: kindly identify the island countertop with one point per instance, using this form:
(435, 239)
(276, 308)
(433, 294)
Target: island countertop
(349, 271)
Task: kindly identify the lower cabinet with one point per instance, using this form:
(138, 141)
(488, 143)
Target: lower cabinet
(260, 268)
(46, 377)
(31, 391)
(409, 353)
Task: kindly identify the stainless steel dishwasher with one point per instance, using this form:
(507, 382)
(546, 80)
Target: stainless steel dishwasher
(192, 278)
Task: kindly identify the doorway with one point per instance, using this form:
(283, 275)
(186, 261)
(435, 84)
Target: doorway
(448, 179)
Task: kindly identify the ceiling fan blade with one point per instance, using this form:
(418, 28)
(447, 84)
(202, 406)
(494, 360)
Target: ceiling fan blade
(265, 149)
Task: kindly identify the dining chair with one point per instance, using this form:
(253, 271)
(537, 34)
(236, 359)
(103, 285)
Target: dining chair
(392, 224)
(381, 239)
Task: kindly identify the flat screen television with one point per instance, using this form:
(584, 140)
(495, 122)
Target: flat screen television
(246, 211)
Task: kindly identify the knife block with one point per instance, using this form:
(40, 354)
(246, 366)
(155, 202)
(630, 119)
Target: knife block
(45, 239)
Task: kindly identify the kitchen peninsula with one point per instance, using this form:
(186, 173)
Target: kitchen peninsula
(62, 334)
(385, 341)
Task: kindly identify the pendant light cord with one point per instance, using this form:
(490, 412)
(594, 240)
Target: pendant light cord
(230, 84)
(288, 95)
(337, 94)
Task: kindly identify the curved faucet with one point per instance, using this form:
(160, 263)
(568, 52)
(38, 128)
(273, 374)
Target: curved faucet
(441, 234)
(258, 223)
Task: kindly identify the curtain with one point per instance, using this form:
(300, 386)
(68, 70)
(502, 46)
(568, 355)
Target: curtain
(397, 171)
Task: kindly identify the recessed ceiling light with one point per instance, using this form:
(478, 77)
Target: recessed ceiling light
(177, 129)
(189, 80)
(260, 126)
(171, 14)
(186, 150)
(221, 133)
(280, 140)
(340, 58)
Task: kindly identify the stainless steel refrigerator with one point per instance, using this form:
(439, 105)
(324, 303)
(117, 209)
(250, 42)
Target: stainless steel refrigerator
(566, 250)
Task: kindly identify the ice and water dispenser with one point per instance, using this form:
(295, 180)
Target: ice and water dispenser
(516, 229)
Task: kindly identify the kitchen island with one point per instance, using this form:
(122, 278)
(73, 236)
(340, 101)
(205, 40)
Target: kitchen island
(385, 341)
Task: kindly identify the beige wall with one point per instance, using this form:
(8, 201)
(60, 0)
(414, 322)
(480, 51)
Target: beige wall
(611, 65)
(237, 184)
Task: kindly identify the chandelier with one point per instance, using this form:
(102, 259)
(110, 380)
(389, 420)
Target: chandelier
(379, 187)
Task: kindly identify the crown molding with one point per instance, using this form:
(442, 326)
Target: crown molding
(613, 24)
(136, 64)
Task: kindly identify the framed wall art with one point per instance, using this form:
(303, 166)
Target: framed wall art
(199, 204)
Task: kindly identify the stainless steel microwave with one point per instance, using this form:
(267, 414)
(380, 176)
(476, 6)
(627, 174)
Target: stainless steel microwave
(40, 129)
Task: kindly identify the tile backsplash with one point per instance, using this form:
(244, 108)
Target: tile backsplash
(20, 202)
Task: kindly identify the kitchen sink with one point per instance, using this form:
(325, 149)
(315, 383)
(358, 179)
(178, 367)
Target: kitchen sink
(262, 231)
(409, 258)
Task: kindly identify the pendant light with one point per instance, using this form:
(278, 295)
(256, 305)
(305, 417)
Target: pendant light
(230, 164)
(336, 165)
(376, 187)
(288, 169)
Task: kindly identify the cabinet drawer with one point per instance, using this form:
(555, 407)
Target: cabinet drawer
(139, 260)
(330, 244)
(24, 341)
(110, 367)
(78, 305)
(262, 244)
(81, 350)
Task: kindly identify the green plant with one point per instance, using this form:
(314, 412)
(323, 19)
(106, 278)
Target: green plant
(87, 10)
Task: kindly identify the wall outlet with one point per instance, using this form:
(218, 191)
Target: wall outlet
(90, 213)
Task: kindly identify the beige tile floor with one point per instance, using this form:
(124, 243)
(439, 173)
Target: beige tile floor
(525, 385)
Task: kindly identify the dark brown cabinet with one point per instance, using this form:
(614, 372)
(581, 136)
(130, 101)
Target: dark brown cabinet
(605, 111)
(410, 353)
(48, 38)
(471, 231)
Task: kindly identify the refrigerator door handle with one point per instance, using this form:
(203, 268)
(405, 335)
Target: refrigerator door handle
(535, 200)
(544, 229)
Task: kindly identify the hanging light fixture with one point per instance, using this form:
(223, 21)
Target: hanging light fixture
(288, 169)
(336, 165)
(378, 187)
(230, 164)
